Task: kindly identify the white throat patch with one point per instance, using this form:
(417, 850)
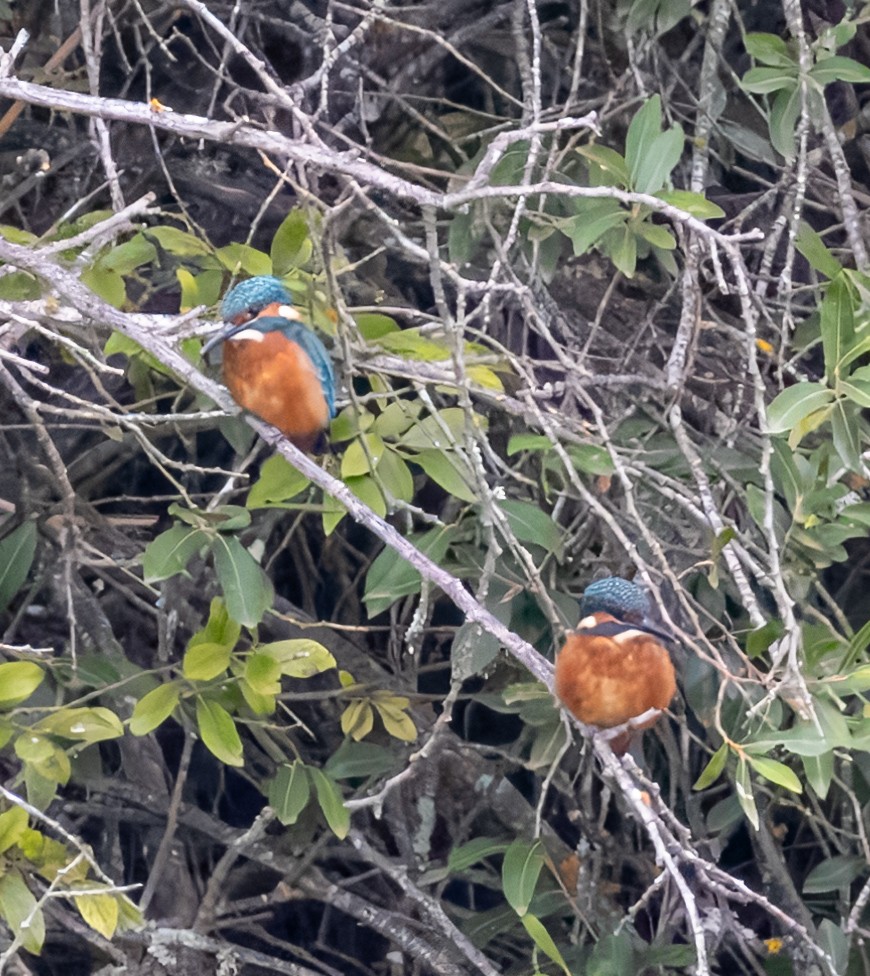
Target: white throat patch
(251, 335)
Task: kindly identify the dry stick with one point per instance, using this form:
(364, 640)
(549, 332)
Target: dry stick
(430, 908)
(164, 849)
(344, 163)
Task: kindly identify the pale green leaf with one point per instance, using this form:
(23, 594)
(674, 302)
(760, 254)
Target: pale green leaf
(154, 708)
(218, 732)
(205, 661)
(18, 681)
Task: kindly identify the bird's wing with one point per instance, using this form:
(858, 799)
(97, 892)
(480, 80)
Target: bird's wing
(316, 352)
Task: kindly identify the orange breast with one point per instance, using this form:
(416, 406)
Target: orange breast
(277, 381)
(605, 683)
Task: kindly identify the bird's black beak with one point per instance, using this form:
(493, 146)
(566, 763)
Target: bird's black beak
(222, 336)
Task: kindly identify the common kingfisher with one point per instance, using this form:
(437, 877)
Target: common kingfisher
(613, 667)
(274, 365)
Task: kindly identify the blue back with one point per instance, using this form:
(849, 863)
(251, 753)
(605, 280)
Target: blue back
(303, 337)
(253, 295)
(615, 596)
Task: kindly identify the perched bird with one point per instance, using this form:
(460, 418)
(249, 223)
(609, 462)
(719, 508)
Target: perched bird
(274, 365)
(613, 666)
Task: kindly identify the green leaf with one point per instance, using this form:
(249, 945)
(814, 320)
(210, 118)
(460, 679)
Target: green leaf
(96, 724)
(760, 639)
(373, 325)
(291, 245)
(448, 472)
(179, 242)
(621, 247)
(609, 162)
(354, 760)
(484, 378)
(745, 797)
(528, 442)
(18, 681)
(591, 459)
(795, 403)
(532, 525)
(107, 284)
(644, 129)
(770, 49)
(13, 823)
(218, 732)
(18, 907)
(763, 81)
(543, 940)
(834, 941)
(362, 455)
(776, 772)
(205, 661)
(520, 871)
(278, 483)
(409, 344)
(858, 391)
(289, 792)
(390, 577)
(713, 770)
(242, 257)
(613, 955)
(839, 68)
(247, 590)
(836, 872)
(846, 435)
(16, 557)
(219, 628)
(334, 811)
(461, 858)
(396, 477)
(474, 649)
(299, 657)
(655, 234)
(783, 121)
(171, 551)
(653, 172)
(811, 246)
(153, 709)
(837, 322)
(263, 674)
(819, 771)
(695, 204)
(594, 219)
(124, 258)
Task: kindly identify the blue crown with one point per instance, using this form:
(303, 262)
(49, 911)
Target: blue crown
(615, 596)
(252, 296)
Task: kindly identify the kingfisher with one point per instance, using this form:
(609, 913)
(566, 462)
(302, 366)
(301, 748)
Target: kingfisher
(613, 666)
(273, 364)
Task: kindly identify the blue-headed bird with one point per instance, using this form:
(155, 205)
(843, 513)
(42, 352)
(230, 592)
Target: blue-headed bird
(613, 667)
(273, 364)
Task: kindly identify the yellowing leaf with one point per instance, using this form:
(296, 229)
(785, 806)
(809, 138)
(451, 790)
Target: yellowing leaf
(99, 911)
